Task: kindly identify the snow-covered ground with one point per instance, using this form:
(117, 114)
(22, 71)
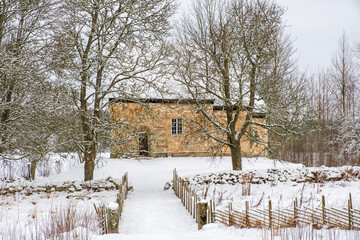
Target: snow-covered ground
(150, 212)
(282, 187)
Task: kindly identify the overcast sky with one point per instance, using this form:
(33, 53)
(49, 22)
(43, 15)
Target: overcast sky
(316, 26)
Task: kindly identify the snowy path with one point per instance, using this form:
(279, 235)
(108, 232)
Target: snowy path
(151, 210)
(155, 212)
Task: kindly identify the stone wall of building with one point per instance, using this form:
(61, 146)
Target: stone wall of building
(136, 119)
(248, 147)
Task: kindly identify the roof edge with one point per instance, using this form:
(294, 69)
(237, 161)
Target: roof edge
(161, 100)
(179, 101)
(254, 114)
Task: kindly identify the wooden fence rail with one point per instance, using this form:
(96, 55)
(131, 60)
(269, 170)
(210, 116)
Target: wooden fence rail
(328, 217)
(109, 215)
(346, 218)
(191, 201)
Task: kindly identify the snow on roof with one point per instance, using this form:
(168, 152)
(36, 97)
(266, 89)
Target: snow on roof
(162, 100)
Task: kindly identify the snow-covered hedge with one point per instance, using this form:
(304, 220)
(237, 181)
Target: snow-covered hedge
(299, 175)
(27, 188)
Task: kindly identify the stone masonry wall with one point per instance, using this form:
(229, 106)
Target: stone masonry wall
(154, 119)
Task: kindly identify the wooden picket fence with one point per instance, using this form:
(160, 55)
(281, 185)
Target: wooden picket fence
(190, 199)
(322, 217)
(123, 192)
(109, 218)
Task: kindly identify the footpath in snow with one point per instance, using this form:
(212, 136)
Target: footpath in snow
(152, 213)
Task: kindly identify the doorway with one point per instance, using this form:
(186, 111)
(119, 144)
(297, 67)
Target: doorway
(143, 144)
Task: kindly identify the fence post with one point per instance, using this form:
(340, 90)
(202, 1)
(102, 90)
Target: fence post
(349, 211)
(270, 218)
(195, 208)
(211, 213)
(174, 180)
(127, 182)
(177, 186)
(187, 196)
(247, 214)
(202, 213)
(350, 199)
(295, 212)
(191, 203)
(112, 212)
(119, 199)
(323, 209)
(230, 215)
(183, 192)
(181, 189)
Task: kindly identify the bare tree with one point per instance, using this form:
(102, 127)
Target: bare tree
(20, 24)
(106, 47)
(330, 132)
(342, 76)
(344, 88)
(235, 53)
(32, 106)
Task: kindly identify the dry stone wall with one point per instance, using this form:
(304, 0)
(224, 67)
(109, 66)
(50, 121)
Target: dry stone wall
(299, 175)
(28, 188)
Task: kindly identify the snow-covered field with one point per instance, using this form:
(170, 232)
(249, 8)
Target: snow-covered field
(152, 213)
(282, 186)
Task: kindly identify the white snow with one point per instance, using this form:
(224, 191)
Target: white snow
(149, 212)
(112, 205)
(152, 213)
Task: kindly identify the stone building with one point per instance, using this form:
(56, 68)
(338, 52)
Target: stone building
(171, 127)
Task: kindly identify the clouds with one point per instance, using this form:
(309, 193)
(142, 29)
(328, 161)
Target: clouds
(316, 27)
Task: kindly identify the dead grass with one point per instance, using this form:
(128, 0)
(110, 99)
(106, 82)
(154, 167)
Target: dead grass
(310, 233)
(67, 221)
(246, 185)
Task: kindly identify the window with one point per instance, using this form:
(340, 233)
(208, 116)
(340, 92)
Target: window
(176, 126)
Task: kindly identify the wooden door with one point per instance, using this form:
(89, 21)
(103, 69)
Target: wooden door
(143, 144)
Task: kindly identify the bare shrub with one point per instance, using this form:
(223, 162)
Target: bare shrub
(246, 184)
(58, 166)
(101, 217)
(65, 219)
(63, 222)
(259, 201)
(309, 233)
(205, 191)
(44, 168)
(220, 196)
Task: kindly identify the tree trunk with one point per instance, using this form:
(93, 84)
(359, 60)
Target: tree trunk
(5, 115)
(89, 153)
(32, 170)
(89, 158)
(236, 157)
(2, 148)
